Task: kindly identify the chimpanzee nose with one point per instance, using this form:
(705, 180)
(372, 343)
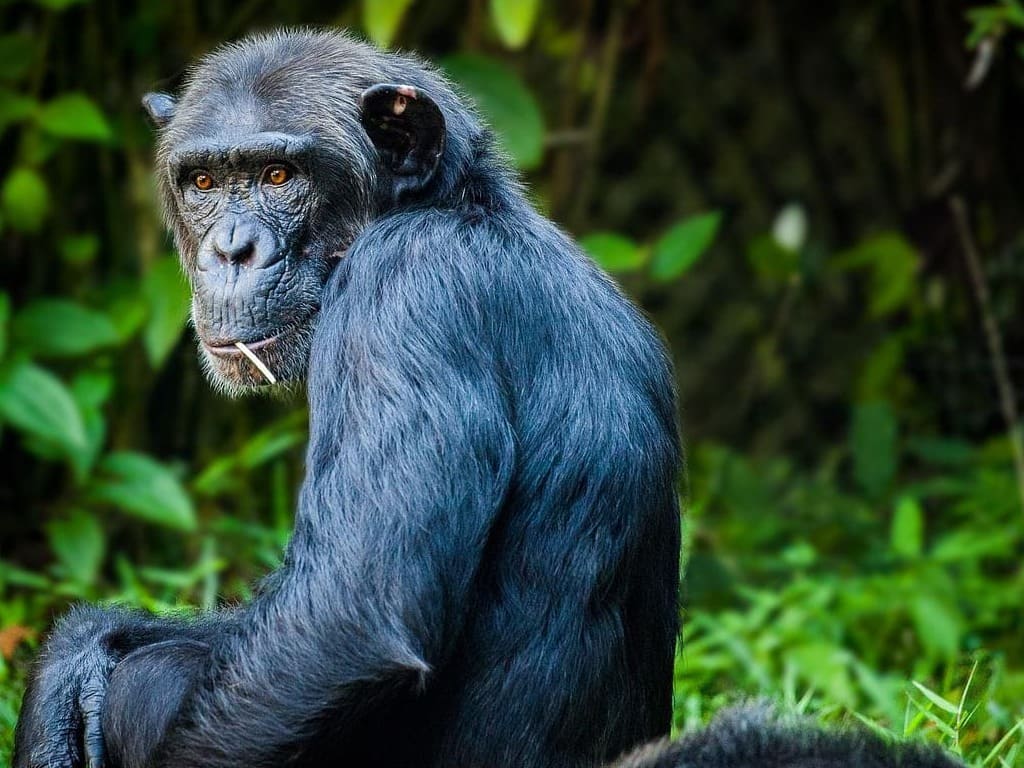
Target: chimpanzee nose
(235, 243)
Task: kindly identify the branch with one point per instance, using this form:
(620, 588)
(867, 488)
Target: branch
(994, 339)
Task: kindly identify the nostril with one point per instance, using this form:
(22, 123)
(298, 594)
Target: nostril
(235, 251)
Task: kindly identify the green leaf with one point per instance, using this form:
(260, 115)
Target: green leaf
(381, 19)
(942, 452)
(74, 116)
(938, 625)
(128, 311)
(514, 20)
(936, 699)
(16, 55)
(79, 545)
(770, 260)
(59, 5)
(892, 263)
(613, 252)
(680, 247)
(22, 577)
(907, 533)
(221, 475)
(825, 666)
(268, 445)
(82, 462)
(25, 200)
(92, 389)
(142, 487)
(167, 294)
(14, 108)
(61, 328)
(37, 402)
(5, 322)
(968, 546)
(183, 580)
(38, 147)
(873, 445)
(506, 103)
(881, 370)
(79, 249)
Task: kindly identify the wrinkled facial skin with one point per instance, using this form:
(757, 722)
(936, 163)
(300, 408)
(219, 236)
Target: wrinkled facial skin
(270, 164)
(246, 206)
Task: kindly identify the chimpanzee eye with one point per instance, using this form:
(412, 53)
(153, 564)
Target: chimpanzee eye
(276, 175)
(202, 180)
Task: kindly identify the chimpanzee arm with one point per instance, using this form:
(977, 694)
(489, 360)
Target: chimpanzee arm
(60, 714)
(410, 457)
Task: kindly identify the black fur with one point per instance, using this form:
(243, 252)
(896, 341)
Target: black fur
(485, 558)
(756, 737)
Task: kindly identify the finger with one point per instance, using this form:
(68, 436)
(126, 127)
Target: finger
(91, 705)
(95, 755)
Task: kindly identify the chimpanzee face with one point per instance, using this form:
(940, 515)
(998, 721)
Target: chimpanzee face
(264, 205)
(248, 204)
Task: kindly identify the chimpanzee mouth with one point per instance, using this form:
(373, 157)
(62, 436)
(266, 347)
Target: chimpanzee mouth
(236, 365)
(246, 350)
(230, 349)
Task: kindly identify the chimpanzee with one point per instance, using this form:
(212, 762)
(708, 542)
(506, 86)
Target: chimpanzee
(484, 567)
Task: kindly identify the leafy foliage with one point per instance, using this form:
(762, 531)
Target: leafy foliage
(506, 103)
(514, 20)
(854, 532)
(61, 328)
(25, 199)
(37, 402)
(381, 19)
(679, 248)
(140, 486)
(168, 299)
(74, 116)
(614, 252)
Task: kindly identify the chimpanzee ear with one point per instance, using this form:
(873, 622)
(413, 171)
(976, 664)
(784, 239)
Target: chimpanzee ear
(159, 107)
(408, 129)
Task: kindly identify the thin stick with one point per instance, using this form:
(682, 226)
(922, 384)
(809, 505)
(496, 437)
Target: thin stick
(260, 365)
(607, 68)
(1000, 371)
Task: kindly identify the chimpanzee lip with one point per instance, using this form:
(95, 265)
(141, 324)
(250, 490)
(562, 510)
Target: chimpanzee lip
(230, 350)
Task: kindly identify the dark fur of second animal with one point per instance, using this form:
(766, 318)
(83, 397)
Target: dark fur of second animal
(756, 736)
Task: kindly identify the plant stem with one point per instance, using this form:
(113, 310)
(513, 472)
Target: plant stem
(565, 161)
(994, 339)
(598, 114)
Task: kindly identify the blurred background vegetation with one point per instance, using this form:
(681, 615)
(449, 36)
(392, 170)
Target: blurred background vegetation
(819, 204)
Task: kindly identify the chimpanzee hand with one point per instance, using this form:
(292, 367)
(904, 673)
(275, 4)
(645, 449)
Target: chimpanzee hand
(59, 725)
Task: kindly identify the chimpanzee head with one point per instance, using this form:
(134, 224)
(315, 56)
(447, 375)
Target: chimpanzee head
(279, 151)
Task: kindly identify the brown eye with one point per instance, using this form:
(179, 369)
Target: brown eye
(202, 180)
(276, 175)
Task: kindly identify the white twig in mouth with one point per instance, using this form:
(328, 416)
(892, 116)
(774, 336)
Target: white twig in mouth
(260, 365)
